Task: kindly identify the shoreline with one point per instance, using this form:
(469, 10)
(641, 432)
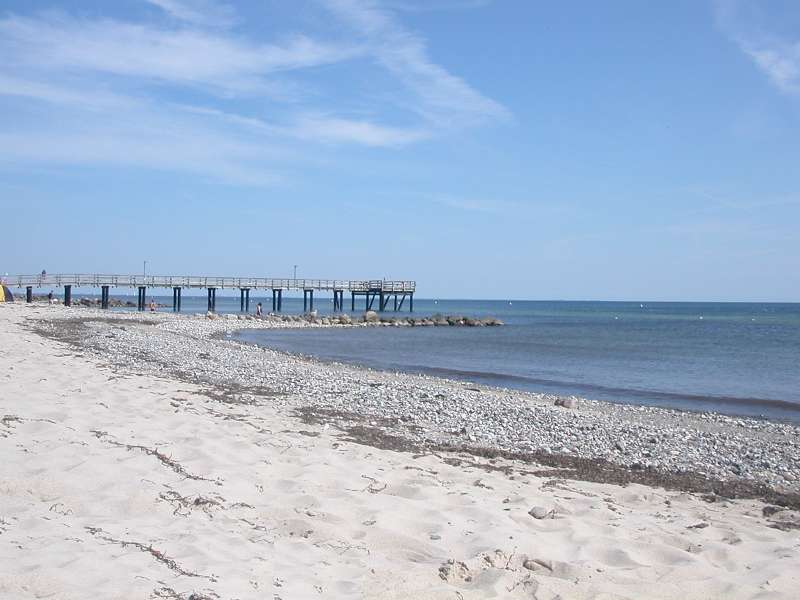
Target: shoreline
(730, 456)
(145, 459)
(464, 377)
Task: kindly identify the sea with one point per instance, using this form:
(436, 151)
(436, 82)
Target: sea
(733, 358)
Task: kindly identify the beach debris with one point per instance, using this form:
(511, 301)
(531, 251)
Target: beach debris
(163, 458)
(183, 505)
(158, 555)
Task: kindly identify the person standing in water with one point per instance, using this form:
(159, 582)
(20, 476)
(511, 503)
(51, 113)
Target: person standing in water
(258, 309)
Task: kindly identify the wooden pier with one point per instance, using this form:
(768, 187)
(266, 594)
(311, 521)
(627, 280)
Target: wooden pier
(377, 293)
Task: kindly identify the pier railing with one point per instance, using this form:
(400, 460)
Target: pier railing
(194, 281)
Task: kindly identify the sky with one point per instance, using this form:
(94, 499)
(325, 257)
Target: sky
(619, 150)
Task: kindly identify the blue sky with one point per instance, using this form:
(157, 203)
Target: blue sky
(487, 149)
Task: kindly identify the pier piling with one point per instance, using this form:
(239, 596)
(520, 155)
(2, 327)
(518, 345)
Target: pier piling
(67, 295)
(176, 299)
(244, 300)
(308, 300)
(212, 299)
(29, 294)
(104, 297)
(142, 298)
(277, 300)
(338, 300)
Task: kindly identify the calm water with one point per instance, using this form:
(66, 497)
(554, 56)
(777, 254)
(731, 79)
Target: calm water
(734, 358)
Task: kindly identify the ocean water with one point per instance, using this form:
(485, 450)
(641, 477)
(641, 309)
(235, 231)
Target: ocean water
(734, 358)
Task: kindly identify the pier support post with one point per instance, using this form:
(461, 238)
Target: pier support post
(247, 300)
(352, 302)
(176, 299)
(411, 302)
(381, 303)
(212, 299)
(67, 295)
(104, 297)
(277, 300)
(308, 300)
(241, 299)
(142, 298)
(29, 294)
(395, 303)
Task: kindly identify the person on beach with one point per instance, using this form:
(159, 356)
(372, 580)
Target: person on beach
(258, 309)
(152, 306)
(50, 297)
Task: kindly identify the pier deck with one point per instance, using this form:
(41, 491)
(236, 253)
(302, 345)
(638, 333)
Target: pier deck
(373, 290)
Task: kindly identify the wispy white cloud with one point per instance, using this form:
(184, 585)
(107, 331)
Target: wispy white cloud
(337, 130)
(777, 57)
(779, 60)
(182, 56)
(322, 128)
(442, 97)
(44, 91)
(148, 135)
(206, 13)
(195, 97)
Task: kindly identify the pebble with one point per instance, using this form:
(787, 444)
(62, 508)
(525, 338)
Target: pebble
(539, 512)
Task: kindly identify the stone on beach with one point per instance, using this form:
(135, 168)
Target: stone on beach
(568, 402)
(540, 512)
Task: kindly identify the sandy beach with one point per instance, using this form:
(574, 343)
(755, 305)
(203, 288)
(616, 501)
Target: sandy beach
(153, 456)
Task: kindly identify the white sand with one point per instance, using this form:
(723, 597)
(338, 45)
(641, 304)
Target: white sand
(287, 510)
